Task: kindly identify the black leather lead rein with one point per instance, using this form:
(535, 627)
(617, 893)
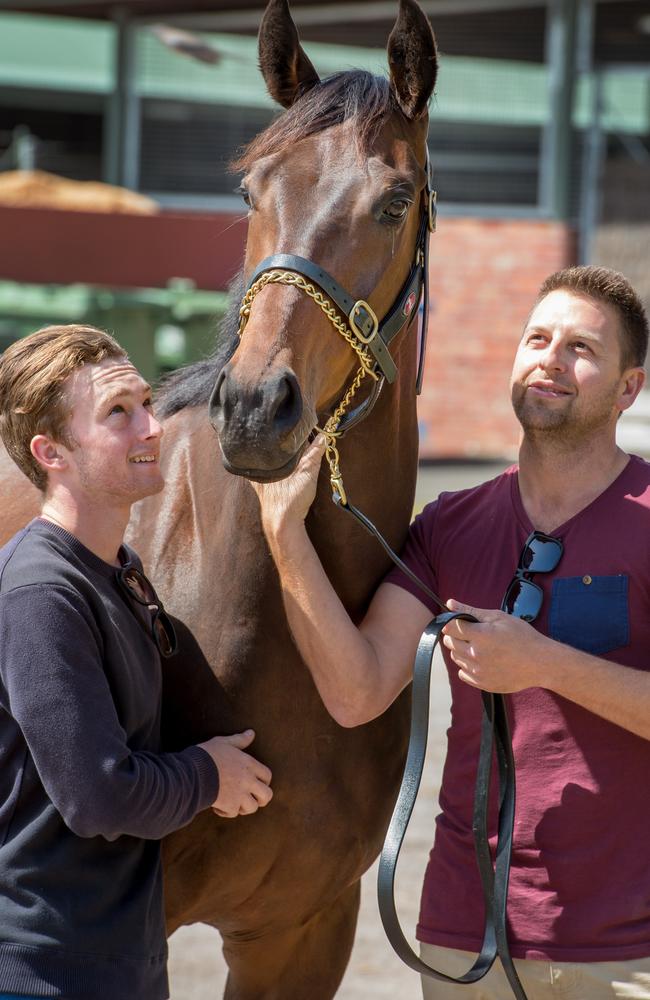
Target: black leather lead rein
(495, 736)
(494, 880)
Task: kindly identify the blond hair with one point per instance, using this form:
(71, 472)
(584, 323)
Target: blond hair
(33, 397)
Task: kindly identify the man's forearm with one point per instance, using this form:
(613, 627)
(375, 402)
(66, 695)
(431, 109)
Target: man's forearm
(341, 660)
(358, 671)
(616, 693)
(505, 654)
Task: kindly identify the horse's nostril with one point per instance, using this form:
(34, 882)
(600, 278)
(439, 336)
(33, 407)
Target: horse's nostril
(264, 410)
(286, 408)
(219, 398)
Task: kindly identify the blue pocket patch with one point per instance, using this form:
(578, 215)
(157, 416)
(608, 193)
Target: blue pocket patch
(590, 612)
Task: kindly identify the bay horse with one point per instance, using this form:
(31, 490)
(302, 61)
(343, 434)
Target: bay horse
(338, 178)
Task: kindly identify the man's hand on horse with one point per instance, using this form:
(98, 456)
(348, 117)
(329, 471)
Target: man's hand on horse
(498, 653)
(288, 500)
(243, 781)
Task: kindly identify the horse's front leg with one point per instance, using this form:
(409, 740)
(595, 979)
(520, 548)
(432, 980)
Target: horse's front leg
(298, 962)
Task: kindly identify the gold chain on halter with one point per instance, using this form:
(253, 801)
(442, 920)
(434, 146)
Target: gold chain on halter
(330, 430)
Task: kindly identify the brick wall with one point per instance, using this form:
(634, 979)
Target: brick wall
(484, 278)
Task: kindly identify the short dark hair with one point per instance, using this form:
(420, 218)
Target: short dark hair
(615, 290)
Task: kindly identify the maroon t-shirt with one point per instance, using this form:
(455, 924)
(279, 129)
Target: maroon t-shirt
(580, 881)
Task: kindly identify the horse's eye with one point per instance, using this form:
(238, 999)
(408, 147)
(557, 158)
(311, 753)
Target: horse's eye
(243, 191)
(397, 210)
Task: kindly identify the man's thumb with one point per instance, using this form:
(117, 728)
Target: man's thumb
(242, 740)
(457, 606)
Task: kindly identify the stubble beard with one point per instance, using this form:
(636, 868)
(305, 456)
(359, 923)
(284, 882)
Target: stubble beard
(561, 426)
(103, 483)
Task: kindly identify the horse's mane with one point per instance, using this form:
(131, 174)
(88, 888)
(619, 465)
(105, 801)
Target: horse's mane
(193, 384)
(353, 95)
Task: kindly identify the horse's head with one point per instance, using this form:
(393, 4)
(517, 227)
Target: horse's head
(337, 180)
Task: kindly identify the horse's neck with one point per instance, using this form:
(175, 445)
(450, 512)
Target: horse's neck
(379, 468)
(198, 519)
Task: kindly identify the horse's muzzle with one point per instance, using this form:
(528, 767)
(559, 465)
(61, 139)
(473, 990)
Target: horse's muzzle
(260, 426)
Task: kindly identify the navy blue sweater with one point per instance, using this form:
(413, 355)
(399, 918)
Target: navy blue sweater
(85, 794)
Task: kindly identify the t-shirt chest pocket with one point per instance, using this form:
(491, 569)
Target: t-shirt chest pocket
(590, 612)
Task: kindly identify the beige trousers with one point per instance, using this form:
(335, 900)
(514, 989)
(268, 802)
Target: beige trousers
(542, 980)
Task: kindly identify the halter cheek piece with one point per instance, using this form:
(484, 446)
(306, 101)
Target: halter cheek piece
(366, 335)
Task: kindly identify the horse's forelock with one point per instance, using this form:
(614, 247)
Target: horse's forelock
(355, 95)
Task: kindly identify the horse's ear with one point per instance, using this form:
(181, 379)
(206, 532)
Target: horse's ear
(285, 67)
(412, 59)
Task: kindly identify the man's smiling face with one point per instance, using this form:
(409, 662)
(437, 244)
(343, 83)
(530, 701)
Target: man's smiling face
(116, 453)
(567, 371)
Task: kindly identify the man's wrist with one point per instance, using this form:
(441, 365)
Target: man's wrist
(283, 534)
(549, 660)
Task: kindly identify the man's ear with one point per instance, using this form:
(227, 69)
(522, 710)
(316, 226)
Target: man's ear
(633, 383)
(47, 453)
(286, 68)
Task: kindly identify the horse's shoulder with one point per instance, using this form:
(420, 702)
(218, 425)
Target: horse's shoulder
(189, 445)
(19, 499)
(165, 524)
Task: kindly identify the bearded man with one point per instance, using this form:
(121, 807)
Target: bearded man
(553, 559)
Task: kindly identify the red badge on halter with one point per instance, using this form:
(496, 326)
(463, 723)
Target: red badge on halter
(409, 304)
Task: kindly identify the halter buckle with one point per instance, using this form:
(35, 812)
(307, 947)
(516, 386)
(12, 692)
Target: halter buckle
(358, 321)
(432, 210)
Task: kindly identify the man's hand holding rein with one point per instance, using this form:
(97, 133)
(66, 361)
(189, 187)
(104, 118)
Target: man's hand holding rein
(499, 653)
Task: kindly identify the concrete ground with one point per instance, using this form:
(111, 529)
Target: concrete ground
(197, 970)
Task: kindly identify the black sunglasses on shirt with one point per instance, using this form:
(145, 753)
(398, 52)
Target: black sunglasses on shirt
(541, 554)
(135, 585)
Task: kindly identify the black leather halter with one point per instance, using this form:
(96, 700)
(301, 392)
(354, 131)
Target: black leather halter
(374, 335)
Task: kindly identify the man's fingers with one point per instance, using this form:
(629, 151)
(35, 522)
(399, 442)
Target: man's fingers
(468, 678)
(262, 772)
(313, 453)
(458, 646)
(263, 794)
(483, 614)
(258, 795)
(456, 626)
(247, 802)
(457, 606)
(460, 658)
(311, 458)
(258, 798)
(458, 630)
(463, 629)
(224, 813)
(243, 780)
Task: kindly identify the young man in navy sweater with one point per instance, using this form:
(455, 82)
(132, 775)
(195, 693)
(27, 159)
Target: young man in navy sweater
(85, 794)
